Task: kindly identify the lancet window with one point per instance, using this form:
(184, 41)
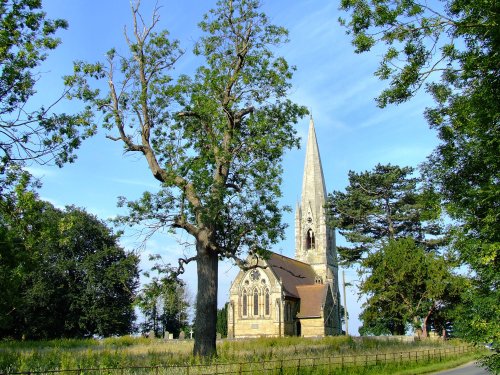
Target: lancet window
(256, 302)
(267, 303)
(310, 240)
(245, 303)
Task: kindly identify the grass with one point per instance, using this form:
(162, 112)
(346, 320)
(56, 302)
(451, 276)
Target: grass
(128, 351)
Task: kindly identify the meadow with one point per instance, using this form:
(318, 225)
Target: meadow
(290, 355)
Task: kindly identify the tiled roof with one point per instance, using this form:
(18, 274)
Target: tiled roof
(291, 272)
(312, 298)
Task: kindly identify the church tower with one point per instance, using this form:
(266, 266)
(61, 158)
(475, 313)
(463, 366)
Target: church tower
(314, 241)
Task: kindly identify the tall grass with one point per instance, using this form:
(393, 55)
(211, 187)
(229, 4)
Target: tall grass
(129, 351)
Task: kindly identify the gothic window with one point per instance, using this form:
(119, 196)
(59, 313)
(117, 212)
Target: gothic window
(267, 303)
(245, 303)
(310, 240)
(256, 302)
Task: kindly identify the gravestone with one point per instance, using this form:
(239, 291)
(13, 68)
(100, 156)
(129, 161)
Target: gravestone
(166, 335)
(151, 334)
(182, 335)
(219, 336)
(170, 336)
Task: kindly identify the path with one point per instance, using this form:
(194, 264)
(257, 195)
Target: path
(467, 369)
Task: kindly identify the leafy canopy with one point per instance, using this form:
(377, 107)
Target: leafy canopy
(407, 286)
(63, 272)
(26, 36)
(450, 48)
(214, 140)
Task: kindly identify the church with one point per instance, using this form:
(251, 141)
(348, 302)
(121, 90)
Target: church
(293, 297)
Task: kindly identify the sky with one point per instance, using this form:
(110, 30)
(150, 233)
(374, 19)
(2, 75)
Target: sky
(337, 85)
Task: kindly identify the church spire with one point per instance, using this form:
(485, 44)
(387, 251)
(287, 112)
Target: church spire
(313, 182)
(314, 240)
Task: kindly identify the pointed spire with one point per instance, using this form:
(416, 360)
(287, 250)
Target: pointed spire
(313, 183)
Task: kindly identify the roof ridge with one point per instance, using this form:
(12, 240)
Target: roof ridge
(293, 259)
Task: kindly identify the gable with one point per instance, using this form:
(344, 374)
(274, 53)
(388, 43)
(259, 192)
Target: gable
(312, 300)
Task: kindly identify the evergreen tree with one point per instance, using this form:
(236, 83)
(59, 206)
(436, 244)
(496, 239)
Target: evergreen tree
(381, 205)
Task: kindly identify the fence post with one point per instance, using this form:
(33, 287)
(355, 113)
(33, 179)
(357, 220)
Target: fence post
(298, 367)
(342, 362)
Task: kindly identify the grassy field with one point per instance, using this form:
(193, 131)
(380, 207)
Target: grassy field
(275, 353)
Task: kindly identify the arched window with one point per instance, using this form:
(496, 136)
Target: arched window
(256, 302)
(310, 240)
(267, 303)
(245, 303)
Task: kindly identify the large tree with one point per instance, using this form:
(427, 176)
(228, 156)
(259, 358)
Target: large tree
(28, 133)
(214, 141)
(450, 48)
(63, 272)
(384, 204)
(407, 286)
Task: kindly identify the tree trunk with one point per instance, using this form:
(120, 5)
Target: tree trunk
(426, 320)
(206, 302)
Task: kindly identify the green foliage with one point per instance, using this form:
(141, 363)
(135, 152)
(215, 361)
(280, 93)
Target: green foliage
(451, 49)
(407, 286)
(66, 274)
(383, 204)
(26, 35)
(222, 320)
(163, 301)
(215, 141)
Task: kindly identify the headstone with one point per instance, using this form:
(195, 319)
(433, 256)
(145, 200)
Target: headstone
(170, 336)
(151, 334)
(230, 335)
(219, 336)
(166, 336)
(191, 333)
(182, 335)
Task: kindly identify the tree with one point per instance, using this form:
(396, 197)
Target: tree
(214, 141)
(451, 49)
(381, 205)
(26, 35)
(65, 274)
(222, 320)
(163, 301)
(407, 285)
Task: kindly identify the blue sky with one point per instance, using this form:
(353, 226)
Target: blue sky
(335, 83)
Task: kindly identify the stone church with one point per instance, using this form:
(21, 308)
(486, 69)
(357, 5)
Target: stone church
(293, 297)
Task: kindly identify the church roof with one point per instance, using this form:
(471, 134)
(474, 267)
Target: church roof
(312, 299)
(291, 272)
